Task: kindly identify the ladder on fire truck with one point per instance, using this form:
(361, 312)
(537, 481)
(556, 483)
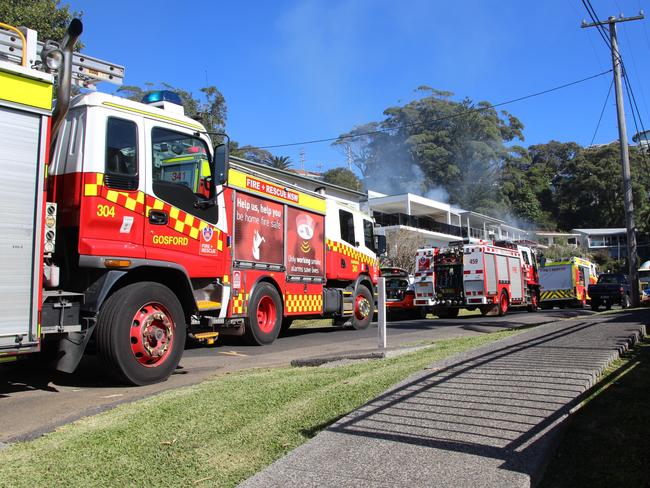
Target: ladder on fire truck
(20, 46)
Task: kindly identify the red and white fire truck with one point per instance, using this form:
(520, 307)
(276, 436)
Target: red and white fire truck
(439, 280)
(489, 276)
(500, 275)
(133, 232)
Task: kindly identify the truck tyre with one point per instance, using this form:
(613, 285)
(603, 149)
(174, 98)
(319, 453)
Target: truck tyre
(503, 303)
(141, 333)
(264, 316)
(595, 305)
(363, 308)
(625, 303)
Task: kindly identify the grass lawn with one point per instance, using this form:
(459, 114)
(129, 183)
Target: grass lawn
(217, 433)
(606, 443)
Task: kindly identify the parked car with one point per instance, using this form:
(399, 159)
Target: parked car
(611, 288)
(400, 295)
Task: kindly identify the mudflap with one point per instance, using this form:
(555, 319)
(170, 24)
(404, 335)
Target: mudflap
(71, 349)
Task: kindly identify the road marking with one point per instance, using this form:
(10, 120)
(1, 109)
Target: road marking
(233, 353)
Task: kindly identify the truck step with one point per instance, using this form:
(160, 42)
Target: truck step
(207, 337)
(207, 305)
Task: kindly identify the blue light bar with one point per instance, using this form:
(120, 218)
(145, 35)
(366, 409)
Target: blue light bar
(162, 96)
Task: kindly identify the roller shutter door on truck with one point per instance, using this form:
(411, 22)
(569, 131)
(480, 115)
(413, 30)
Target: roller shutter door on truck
(516, 279)
(19, 151)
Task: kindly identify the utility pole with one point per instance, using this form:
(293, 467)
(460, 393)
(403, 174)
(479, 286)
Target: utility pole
(301, 155)
(632, 256)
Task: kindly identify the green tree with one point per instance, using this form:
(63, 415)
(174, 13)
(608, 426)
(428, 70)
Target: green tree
(590, 192)
(432, 142)
(342, 177)
(520, 189)
(46, 17)
(547, 169)
(279, 162)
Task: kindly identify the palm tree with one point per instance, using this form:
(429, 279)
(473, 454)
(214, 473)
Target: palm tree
(279, 162)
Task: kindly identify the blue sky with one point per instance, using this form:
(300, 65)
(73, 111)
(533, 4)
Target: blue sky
(293, 71)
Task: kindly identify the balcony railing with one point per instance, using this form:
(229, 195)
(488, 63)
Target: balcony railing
(424, 223)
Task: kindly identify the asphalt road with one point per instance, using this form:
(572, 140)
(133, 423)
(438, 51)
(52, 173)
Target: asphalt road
(34, 400)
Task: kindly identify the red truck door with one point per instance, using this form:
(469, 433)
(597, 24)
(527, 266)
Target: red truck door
(181, 223)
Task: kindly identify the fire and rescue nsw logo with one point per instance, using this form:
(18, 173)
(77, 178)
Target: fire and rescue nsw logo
(206, 245)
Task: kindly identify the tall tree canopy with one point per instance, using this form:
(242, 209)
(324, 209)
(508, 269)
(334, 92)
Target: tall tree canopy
(564, 186)
(436, 142)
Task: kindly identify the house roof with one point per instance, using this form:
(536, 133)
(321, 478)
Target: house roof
(602, 232)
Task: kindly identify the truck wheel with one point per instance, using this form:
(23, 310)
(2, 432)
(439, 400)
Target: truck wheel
(363, 308)
(264, 316)
(626, 302)
(503, 303)
(595, 305)
(141, 333)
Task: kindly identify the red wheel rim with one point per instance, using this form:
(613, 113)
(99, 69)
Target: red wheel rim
(504, 303)
(152, 334)
(534, 300)
(266, 314)
(361, 307)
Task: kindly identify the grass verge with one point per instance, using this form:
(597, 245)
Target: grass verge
(216, 433)
(606, 442)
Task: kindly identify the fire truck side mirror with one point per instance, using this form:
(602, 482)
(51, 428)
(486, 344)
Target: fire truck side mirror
(221, 160)
(380, 245)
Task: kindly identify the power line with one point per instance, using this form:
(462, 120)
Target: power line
(596, 20)
(415, 124)
(602, 112)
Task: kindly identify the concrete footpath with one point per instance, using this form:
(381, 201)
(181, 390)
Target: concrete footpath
(490, 417)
